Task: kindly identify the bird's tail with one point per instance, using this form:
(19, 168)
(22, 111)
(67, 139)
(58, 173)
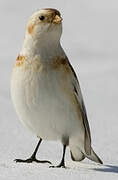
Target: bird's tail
(78, 155)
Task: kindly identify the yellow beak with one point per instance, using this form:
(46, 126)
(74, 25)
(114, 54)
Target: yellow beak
(57, 19)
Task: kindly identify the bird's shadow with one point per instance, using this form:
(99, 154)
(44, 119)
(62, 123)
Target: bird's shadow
(108, 169)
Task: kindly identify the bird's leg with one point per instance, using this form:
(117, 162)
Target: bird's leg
(62, 163)
(33, 157)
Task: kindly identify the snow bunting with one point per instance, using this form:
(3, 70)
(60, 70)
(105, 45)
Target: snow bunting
(46, 92)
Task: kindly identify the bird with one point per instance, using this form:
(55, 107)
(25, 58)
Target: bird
(46, 93)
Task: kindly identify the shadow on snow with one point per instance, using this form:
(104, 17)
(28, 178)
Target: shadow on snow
(108, 169)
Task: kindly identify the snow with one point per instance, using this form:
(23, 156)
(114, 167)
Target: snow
(90, 40)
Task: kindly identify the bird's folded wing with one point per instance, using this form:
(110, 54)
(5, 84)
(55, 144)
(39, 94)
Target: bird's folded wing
(78, 94)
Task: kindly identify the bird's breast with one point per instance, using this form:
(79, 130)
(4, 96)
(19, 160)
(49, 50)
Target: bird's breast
(43, 97)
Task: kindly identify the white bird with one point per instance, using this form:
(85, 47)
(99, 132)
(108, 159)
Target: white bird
(46, 92)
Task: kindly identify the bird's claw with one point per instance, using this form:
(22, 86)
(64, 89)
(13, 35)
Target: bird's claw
(30, 160)
(59, 166)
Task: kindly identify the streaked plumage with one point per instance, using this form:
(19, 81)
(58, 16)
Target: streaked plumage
(45, 90)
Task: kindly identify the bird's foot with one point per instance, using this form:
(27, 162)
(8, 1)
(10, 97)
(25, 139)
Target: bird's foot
(61, 165)
(30, 160)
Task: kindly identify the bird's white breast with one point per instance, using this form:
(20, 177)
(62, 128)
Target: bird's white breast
(42, 102)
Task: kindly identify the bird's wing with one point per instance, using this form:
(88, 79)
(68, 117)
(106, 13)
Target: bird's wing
(78, 95)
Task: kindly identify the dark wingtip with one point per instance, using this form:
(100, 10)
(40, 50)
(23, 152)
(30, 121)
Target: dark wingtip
(100, 161)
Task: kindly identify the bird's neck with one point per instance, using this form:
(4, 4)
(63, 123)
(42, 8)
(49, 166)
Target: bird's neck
(47, 48)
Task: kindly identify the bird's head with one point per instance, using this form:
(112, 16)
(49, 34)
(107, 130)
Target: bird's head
(45, 23)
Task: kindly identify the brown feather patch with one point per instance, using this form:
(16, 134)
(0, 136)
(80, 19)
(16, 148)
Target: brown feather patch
(30, 28)
(53, 10)
(20, 60)
(60, 62)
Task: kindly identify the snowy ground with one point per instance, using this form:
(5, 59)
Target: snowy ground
(93, 53)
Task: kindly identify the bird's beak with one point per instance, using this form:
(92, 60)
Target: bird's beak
(57, 19)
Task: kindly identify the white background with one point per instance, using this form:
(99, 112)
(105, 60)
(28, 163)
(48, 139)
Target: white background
(90, 39)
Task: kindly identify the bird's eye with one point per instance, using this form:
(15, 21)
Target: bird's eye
(41, 18)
